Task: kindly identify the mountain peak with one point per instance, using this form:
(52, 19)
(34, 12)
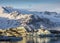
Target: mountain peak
(1, 9)
(4, 9)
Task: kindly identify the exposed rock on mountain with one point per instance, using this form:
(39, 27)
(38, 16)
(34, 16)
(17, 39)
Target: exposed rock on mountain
(17, 32)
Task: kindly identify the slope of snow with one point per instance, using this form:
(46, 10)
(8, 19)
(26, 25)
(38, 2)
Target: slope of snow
(8, 23)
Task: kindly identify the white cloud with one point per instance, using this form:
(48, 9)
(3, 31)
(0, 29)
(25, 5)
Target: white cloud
(43, 7)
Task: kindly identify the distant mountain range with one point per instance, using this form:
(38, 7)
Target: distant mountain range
(12, 17)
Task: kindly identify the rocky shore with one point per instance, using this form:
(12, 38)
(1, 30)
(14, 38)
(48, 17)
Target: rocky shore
(17, 32)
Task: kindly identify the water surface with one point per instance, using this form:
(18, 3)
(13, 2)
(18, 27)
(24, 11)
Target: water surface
(36, 40)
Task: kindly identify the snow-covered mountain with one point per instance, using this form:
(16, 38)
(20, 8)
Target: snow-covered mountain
(11, 17)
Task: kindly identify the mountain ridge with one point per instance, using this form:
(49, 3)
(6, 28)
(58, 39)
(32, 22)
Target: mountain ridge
(29, 19)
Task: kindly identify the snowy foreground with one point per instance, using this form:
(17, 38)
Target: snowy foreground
(11, 18)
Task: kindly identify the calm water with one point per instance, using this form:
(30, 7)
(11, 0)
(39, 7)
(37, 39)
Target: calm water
(36, 40)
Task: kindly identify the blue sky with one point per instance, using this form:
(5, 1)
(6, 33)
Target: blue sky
(38, 5)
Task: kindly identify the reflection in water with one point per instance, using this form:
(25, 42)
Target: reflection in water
(37, 40)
